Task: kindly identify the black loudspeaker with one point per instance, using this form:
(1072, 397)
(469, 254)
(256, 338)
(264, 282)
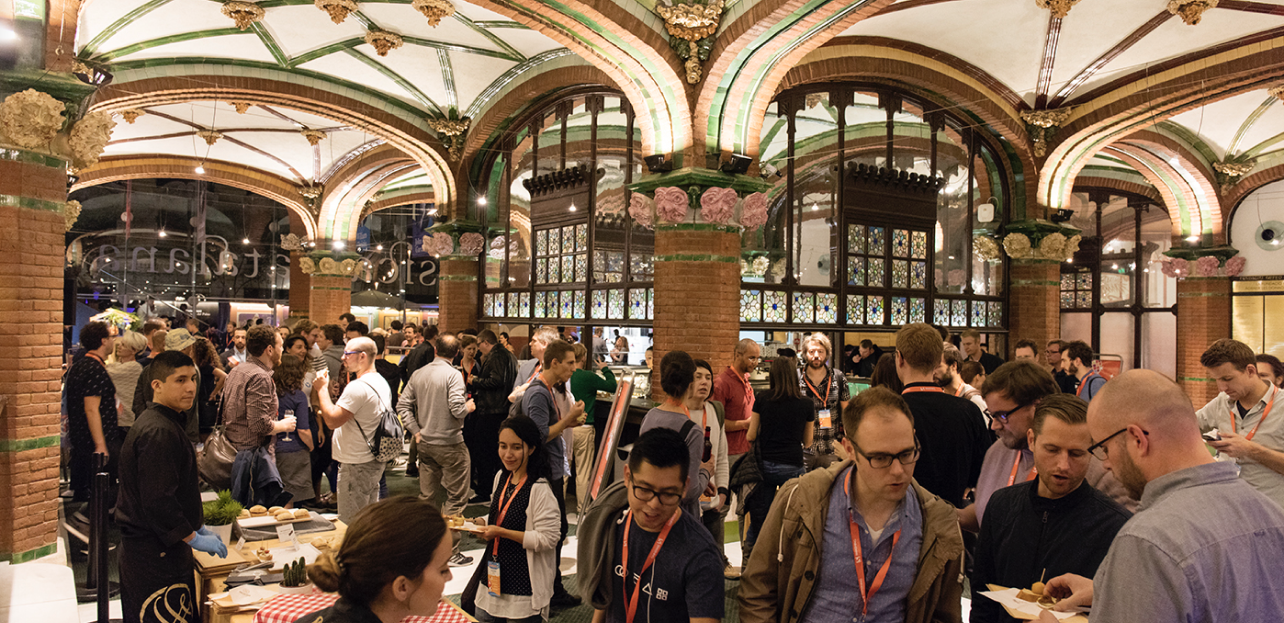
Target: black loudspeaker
(658, 163)
(738, 165)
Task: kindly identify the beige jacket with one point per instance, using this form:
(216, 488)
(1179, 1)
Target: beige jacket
(778, 581)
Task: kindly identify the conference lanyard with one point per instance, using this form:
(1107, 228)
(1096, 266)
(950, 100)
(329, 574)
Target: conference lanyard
(1265, 412)
(1034, 471)
(922, 388)
(538, 366)
(655, 551)
(1079, 392)
(854, 528)
(828, 386)
(959, 393)
(749, 397)
(503, 506)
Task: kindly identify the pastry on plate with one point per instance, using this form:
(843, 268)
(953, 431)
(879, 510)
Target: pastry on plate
(284, 515)
(258, 510)
(301, 513)
(245, 514)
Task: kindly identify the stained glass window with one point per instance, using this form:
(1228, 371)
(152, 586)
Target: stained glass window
(996, 314)
(615, 304)
(577, 311)
(650, 304)
(637, 304)
(1067, 282)
(541, 242)
(877, 238)
(804, 307)
(855, 271)
(900, 311)
(900, 243)
(540, 309)
(874, 272)
(599, 304)
(1085, 281)
(917, 310)
(855, 309)
(514, 303)
(750, 305)
(541, 270)
(581, 267)
(900, 274)
(942, 316)
(568, 304)
(581, 238)
(918, 245)
(554, 242)
(1076, 288)
(918, 275)
(874, 310)
(959, 318)
(855, 238)
(568, 239)
(827, 308)
(1084, 300)
(488, 303)
(498, 306)
(773, 306)
(978, 313)
(568, 268)
(615, 261)
(526, 305)
(1067, 298)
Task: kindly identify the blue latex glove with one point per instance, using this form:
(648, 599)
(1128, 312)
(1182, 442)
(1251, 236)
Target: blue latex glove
(204, 531)
(209, 544)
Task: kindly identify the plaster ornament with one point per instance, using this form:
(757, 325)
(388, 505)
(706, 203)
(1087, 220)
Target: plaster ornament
(307, 265)
(640, 210)
(1059, 8)
(1040, 124)
(690, 23)
(31, 118)
(760, 265)
(471, 243)
(70, 212)
(244, 14)
(1190, 11)
(753, 214)
(328, 266)
(1234, 169)
(89, 137)
(434, 10)
(671, 204)
(241, 107)
(292, 242)
(314, 136)
(132, 114)
(1207, 266)
(1072, 246)
(348, 266)
(718, 205)
(383, 41)
(1235, 266)
(1017, 246)
(338, 10)
(210, 136)
(1181, 267)
(1052, 247)
(442, 244)
(985, 249)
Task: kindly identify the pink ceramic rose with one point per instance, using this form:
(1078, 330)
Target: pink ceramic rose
(472, 243)
(1207, 266)
(671, 204)
(443, 244)
(640, 210)
(718, 205)
(1235, 266)
(1181, 267)
(1167, 267)
(754, 212)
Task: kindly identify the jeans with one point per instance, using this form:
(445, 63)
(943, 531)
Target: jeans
(759, 503)
(443, 472)
(484, 617)
(358, 488)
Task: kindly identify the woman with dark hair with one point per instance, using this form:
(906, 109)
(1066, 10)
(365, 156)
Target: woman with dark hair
(885, 374)
(781, 425)
(523, 527)
(294, 450)
(210, 366)
(383, 571)
(677, 376)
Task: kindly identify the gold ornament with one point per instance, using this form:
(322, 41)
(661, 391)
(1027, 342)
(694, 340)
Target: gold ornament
(434, 10)
(691, 23)
(1059, 8)
(132, 114)
(337, 9)
(328, 266)
(1190, 11)
(90, 136)
(210, 136)
(1234, 169)
(451, 132)
(243, 13)
(307, 265)
(1040, 124)
(1277, 92)
(383, 41)
(348, 266)
(31, 118)
(241, 107)
(313, 136)
(70, 212)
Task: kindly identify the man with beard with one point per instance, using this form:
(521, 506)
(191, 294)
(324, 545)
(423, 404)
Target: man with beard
(947, 376)
(490, 388)
(828, 391)
(1057, 364)
(1080, 366)
(1207, 545)
(1054, 524)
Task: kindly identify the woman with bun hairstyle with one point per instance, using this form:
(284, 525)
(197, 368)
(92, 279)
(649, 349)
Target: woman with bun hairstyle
(384, 572)
(677, 379)
(523, 528)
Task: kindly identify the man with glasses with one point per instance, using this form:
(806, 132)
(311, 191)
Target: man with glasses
(951, 430)
(1057, 365)
(1206, 546)
(354, 419)
(731, 388)
(647, 560)
(860, 540)
(1054, 524)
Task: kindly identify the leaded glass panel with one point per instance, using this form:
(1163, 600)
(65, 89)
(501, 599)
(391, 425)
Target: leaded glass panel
(581, 238)
(498, 310)
(978, 313)
(541, 271)
(827, 308)
(541, 310)
(918, 245)
(942, 315)
(900, 244)
(599, 304)
(996, 314)
(750, 305)
(1067, 281)
(874, 272)
(488, 303)
(577, 311)
(917, 310)
(1067, 298)
(960, 314)
(918, 275)
(568, 268)
(514, 303)
(773, 306)
(1084, 300)
(568, 239)
(855, 238)
(874, 310)
(541, 242)
(877, 238)
(1085, 281)
(568, 304)
(615, 261)
(554, 242)
(855, 309)
(581, 267)
(650, 304)
(900, 311)
(526, 305)
(637, 304)
(900, 274)
(855, 271)
(804, 307)
(615, 304)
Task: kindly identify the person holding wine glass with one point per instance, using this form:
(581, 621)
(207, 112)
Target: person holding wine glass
(294, 450)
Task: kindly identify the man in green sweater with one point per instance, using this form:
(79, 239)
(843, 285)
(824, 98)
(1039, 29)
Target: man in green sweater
(585, 384)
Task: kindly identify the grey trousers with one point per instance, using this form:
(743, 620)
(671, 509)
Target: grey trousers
(358, 488)
(444, 472)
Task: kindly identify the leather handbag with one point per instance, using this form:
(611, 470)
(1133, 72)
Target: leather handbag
(214, 463)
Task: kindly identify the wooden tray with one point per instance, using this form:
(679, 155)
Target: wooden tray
(209, 563)
(468, 527)
(268, 520)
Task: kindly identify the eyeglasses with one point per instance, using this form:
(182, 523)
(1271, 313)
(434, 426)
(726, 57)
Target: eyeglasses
(352, 352)
(1003, 416)
(883, 461)
(1100, 450)
(646, 495)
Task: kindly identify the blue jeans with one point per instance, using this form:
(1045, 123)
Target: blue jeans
(759, 503)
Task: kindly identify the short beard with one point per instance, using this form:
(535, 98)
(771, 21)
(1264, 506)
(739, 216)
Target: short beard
(1129, 475)
(945, 381)
(815, 364)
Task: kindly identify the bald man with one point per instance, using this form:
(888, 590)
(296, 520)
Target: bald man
(1206, 545)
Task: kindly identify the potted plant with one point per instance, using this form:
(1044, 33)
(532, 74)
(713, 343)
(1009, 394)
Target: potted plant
(221, 513)
(294, 579)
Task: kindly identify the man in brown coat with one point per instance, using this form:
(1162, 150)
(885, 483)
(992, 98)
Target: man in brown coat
(853, 539)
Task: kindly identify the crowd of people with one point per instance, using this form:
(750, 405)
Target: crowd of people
(1114, 493)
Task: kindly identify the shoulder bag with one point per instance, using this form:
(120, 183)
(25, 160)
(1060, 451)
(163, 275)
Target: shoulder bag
(385, 442)
(215, 461)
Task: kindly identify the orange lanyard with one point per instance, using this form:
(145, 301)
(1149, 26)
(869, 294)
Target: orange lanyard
(503, 507)
(829, 384)
(1265, 412)
(960, 391)
(95, 357)
(749, 397)
(551, 394)
(464, 370)
(866, 595)
(704, 418)
(536, 373)
(1034, 471)
(921, 388)
(655, 551)
(1079, 392)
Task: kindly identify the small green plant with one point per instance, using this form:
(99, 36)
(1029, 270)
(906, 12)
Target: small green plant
(295, 574)
(222, 511)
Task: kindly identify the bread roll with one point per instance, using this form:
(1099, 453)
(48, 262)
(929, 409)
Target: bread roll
(245, 514)
(284, 515)
(301, 513)
(258, 510)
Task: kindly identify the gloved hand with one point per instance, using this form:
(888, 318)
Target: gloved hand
(205, 531)
(209, 544)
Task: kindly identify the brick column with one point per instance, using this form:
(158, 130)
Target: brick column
(300, 288)
(457, 293)
(331, 296)
(1203, 317)
(33, 191)
(697, 293)
(1035, 312)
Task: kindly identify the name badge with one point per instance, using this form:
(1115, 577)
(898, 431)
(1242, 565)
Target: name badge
(826, 421)
(492, 578)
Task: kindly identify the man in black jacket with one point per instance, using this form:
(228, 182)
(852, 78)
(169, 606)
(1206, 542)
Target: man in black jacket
(159, 508)
(489, 388)
(1054, 524)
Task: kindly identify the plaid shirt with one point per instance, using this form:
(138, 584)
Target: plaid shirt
(250, 405)
(834, 387)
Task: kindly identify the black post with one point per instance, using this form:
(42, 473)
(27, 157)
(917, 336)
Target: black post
(97, 587)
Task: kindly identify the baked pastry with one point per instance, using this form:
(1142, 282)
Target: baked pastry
(245, 514)
(264, 554)
(301, 513)
(284, 515)
(258, 510)
(321, 542)
(276, 509)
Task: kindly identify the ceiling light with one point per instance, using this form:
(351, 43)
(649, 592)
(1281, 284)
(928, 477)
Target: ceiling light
(572, 207)
(815, 207)
(160, 233)
(200, 170)
(8, 34)
(337, 245)
(481, 201)
(1193, 238)
(1114, 267)
(378, 247)
(245, 241)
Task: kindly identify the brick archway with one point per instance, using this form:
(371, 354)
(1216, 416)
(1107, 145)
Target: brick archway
(1194, 179)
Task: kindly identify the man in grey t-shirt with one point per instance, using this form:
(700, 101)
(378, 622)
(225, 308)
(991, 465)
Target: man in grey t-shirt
(354, 419)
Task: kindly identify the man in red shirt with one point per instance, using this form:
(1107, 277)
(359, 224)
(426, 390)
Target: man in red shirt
(732, 389)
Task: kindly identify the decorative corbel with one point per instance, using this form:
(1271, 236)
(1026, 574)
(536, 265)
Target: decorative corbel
(1190, 11)
(691, 27)
(1059, 8)
(1042, 126)
(451, 132)
(1228, 173)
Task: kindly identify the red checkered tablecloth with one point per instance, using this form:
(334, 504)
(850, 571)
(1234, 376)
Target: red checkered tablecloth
(288, 608)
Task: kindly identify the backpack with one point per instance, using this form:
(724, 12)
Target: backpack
(385, 442)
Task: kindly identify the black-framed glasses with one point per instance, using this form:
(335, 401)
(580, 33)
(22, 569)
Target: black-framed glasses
(646, 495)
(1099, 449)
(881, 460)
(1003, 416)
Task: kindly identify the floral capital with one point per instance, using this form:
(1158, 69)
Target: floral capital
(671, 204)
(245, 14)
(384, 41)
(1190, 11)
(434, 10)
(338, 10)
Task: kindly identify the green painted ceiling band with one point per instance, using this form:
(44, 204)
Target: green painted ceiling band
(456, 278)
(448, 79)
(485, 32)
(509, 77)
(115, 27)
(1196, 379)
(23, 445)
(32, 157)
(107, 57)
(1201, 200)
(1183, 207)
(395, 77)
(30, 203)
(268, 42)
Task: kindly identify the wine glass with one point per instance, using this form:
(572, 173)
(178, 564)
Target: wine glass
(288, 413)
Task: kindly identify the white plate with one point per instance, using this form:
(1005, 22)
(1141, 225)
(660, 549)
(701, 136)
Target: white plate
(268, 520)
(287, 553)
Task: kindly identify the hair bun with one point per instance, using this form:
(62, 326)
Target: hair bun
(325, 572)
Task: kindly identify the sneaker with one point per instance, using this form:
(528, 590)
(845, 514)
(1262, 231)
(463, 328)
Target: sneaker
(731, 573)
(460, 560)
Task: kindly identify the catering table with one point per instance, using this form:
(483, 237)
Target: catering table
(288, 608)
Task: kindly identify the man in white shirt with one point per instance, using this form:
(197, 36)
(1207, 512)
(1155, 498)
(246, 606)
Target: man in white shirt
(947, 376)
(1250, 427)
(354, 419)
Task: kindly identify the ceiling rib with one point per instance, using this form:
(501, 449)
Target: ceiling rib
(1049, 59)
(1119, 48)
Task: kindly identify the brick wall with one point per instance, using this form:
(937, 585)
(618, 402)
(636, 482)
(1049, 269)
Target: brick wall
(1203, 317)
(1035, 312)
(697, 295)
(31, 280)
(457, 294)
(331, 296)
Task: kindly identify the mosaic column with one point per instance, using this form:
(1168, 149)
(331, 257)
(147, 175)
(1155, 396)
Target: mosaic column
(457, 245)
